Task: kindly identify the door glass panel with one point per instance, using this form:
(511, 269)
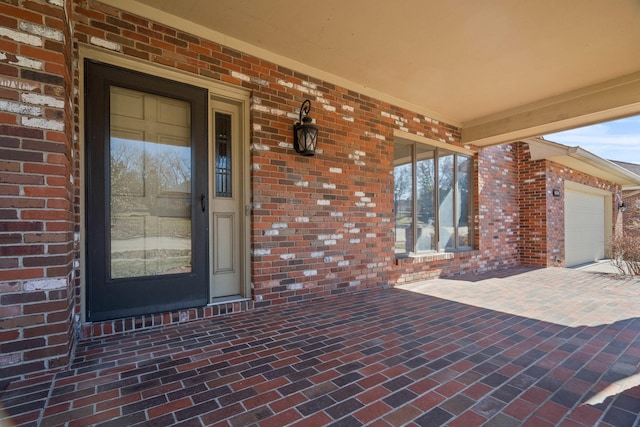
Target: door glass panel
(150, 184)
(223, 155)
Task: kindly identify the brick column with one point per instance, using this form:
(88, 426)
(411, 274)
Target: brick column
(36, 187)
(533, 208)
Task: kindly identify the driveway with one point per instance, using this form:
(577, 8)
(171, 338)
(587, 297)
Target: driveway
(549, 347)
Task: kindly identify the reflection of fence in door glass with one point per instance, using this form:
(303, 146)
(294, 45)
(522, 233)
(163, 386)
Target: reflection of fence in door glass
(150, 207)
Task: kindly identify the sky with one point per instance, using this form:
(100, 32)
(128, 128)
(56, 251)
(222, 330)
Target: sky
(616, 140)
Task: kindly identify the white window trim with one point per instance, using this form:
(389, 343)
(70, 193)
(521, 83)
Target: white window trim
(424, 140)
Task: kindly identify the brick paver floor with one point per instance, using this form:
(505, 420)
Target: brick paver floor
(550, 347)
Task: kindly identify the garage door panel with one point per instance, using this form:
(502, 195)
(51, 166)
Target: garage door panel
(584, 227)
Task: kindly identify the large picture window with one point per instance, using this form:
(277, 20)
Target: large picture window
(432, 198)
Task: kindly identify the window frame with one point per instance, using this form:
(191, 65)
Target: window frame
(439, 150)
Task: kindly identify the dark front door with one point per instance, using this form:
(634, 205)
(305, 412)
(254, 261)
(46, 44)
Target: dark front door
(146, 189)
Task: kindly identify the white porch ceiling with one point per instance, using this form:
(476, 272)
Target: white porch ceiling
(501, 69)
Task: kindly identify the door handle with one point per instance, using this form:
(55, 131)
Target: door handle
(203, 202)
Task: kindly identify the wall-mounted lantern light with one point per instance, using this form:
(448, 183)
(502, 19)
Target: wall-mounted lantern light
(305, 134)
(622, 206)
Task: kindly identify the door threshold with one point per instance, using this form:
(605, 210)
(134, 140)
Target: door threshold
(227, 299)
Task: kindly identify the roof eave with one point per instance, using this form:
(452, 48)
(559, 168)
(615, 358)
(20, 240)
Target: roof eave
(593, 164)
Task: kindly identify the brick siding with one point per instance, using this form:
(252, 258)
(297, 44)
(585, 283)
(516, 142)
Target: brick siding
(631, 217)
(496, 228)
(36, 187)
(321, 226)
(557, 174)
(533, 204)
(542, 230)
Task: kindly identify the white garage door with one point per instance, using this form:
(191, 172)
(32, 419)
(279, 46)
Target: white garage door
(584, 227)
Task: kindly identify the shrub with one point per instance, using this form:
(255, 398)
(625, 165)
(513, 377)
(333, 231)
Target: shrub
(625, 254)
(625, 246)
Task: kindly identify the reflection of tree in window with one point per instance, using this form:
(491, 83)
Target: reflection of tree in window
(425, 181)
(142, 172)
(442, 177)
(150, 168)
(150, 199)
(402, 190)
(403, 204)
(445, 201)
(127, 171)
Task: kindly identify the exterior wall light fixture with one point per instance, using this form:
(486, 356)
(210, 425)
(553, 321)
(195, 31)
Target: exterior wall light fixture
(305, 134)
(622, 206)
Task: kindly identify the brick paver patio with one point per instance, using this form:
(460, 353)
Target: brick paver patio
(551, 347)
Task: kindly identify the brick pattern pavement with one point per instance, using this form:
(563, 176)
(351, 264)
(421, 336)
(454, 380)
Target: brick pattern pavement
(382, 358)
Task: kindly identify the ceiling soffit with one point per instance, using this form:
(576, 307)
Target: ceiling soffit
(501, 70)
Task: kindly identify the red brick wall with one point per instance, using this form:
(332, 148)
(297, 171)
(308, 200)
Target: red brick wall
(631, 217)
(36, 189)
(322, 225)
(556, 176)
(497, 223)
(542, 214)
(533, 208)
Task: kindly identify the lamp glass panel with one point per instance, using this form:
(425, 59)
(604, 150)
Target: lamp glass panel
(311, 138)
(307, 138)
